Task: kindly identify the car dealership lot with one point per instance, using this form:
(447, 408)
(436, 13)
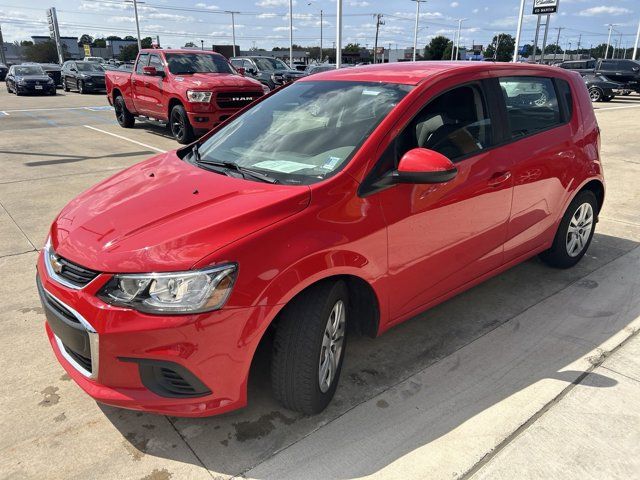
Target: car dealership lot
(470, 387)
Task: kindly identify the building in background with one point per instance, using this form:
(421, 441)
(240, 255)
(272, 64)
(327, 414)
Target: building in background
(69, 45)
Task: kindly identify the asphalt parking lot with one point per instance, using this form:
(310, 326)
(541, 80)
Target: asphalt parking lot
(534, 374)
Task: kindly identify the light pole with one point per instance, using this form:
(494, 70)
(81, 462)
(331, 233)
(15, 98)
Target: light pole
(518, 32)
(290, 33)
(338, 33)
(320, 35)
(135, 11)
(233, 29)
(611, 25)
(635, 48)
(415, 29)
(460, 20)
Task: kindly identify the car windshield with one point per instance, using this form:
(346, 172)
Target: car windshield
(305, 132)
(89, 67)
(187, 63)
(270, 64)
(30, 70)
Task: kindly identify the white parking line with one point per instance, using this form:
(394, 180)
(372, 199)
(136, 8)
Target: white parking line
(6, 112)
(125, 138)
(616, 108)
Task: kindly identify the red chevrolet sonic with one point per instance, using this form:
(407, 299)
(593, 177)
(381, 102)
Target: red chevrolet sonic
(348, 201)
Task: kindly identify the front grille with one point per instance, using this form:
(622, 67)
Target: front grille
(74, 273)
(236, 99)
(83, 361)
(174, 383)
(60, 308)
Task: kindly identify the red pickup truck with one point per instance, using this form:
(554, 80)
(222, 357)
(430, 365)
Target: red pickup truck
(191, 90)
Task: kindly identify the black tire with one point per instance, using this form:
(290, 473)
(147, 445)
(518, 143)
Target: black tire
(8, 88)
(607, 99)
(558, 255)
(179, 124)
(65, 85)
(595, 94)
(81, 89)
(298, 347)
(124, 117)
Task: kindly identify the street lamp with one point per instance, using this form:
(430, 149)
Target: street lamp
(457, 45)
(338, 33)
(135, 11)
(201, 44)
(415, 29)
(233, 29)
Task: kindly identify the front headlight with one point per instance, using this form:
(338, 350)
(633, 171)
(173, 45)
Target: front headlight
(50, 81)
(172, 293)
(198, 97)
(22, 81)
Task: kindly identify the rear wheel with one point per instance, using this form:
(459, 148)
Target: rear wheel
(309, 348)
(65, 85)
(595, 94)
(574, 232)
(180, 127)
(123, 115)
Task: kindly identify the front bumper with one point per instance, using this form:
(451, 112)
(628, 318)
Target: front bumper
(47, 88)
(110, 354)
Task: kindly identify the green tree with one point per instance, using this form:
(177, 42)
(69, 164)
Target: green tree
(599, 50)
(190, 45)
(99, 43)
(437, 48)
(352, 48)
(43, 52)
(128, 52)
(146, 42)
(26, 43)
(114, 37)
(504, 48)
(85, 39)
(553, 49)
(130, 38)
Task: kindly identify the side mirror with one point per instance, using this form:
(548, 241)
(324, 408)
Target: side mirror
(240, 70)
(421, 165)
(152, 72)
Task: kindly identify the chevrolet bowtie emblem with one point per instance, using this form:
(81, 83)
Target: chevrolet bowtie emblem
(56, 266)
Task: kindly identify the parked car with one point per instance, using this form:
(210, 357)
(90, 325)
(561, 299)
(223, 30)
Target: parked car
(271, 72)
(626, 72)
(300, 66)
(22, 79)
(94, 59)
(82, 76)
(601, 88)
(191, 90)
(345, 203)
(580, 66)
(323, 67)
(3, 71)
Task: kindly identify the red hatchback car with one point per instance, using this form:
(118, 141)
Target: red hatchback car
(350, 200)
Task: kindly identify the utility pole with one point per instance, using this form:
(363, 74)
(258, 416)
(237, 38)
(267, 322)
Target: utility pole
(611, 25)
(579, 39)
(635, 48)
(290, 33)
(135, 10)
(495, 52)
(201, 44)
(233, 29)
(415, 29)
(3, 59)
(555, 52)
(321, 56)
(544, 38)
(460, 20)
(338, 33)
(620, 43)
(535, 42)
(518, 32)
(375, 48)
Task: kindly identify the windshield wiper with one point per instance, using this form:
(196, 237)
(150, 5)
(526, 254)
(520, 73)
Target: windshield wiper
(245, 172)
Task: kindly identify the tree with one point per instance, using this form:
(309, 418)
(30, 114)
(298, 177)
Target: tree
(598, 51)
(504, 50)
(130, 38)
(189, 45)
(85, 39)
(114, 37)
(553, 48)
(43, 52)
(146, 42)
(99, 43)
(128, 52)
(437, 48)
(26, 43)
(352, 48)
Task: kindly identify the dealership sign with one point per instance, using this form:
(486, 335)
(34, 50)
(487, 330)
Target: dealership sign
(545, 6)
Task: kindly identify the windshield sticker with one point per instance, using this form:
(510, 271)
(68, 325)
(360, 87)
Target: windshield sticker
(284, 166)
(331, 163)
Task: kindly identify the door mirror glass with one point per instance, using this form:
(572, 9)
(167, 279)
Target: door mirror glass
(149, 70)
(421, 165)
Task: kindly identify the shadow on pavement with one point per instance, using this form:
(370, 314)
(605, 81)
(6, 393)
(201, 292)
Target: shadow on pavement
(234, 443)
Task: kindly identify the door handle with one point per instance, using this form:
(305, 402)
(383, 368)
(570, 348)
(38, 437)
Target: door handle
(499, 178)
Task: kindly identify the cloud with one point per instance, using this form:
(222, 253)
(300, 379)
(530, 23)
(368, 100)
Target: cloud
(603, 10)
(268, 15)
(283, 29)
(422, 15)
(122, 19)
(170, 16)
(207, 7)
(355, 3)
(274, 3)
(454, 4)
(475, 10)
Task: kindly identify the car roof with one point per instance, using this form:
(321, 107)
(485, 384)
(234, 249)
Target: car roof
(177, 50)
(413, 73)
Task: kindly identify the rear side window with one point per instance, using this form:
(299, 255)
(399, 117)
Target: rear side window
(564, 92)
(532, 104)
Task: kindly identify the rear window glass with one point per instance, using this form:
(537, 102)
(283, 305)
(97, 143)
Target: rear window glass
(532, 104)
(564, 91)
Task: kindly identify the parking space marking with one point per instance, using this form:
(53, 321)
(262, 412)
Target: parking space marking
(4, 113)
(125, 138)
(616, 108)
(7, 112)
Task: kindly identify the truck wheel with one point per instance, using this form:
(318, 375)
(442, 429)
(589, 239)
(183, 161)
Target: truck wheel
(123, 115)
(309, 347)
(180, 127)
(574, 232)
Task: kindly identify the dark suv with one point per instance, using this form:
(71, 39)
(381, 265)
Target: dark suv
(269, 71)
(82, 76)
(581, 66)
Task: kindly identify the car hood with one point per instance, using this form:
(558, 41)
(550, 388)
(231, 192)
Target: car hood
(212, 80)
(165, 215)
(92, 74)
(41, 78)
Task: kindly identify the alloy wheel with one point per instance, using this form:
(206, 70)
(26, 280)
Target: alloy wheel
(595, 95)
(177, 125)
(579, 229)
(331, 349)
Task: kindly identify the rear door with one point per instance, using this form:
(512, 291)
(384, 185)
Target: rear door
(139, 91)
(541, 145)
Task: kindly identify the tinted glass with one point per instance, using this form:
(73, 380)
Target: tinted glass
(143, 60)
(532, 104)
(89, 67)
(29, 70)
(155, 61)
(270, 64)
(305, 132)
(564, 91)
(188, 63)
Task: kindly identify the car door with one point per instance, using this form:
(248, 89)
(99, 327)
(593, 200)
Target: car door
(443, 235)
(139, 91)
(154, 88)
(541, 144)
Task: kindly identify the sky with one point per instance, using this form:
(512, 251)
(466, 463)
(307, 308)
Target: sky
(265, 23)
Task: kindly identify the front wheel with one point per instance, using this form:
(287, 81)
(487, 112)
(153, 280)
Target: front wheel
(574, 233)
(180, 127)
(124, 117)
(65, 85)
(309, 348)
